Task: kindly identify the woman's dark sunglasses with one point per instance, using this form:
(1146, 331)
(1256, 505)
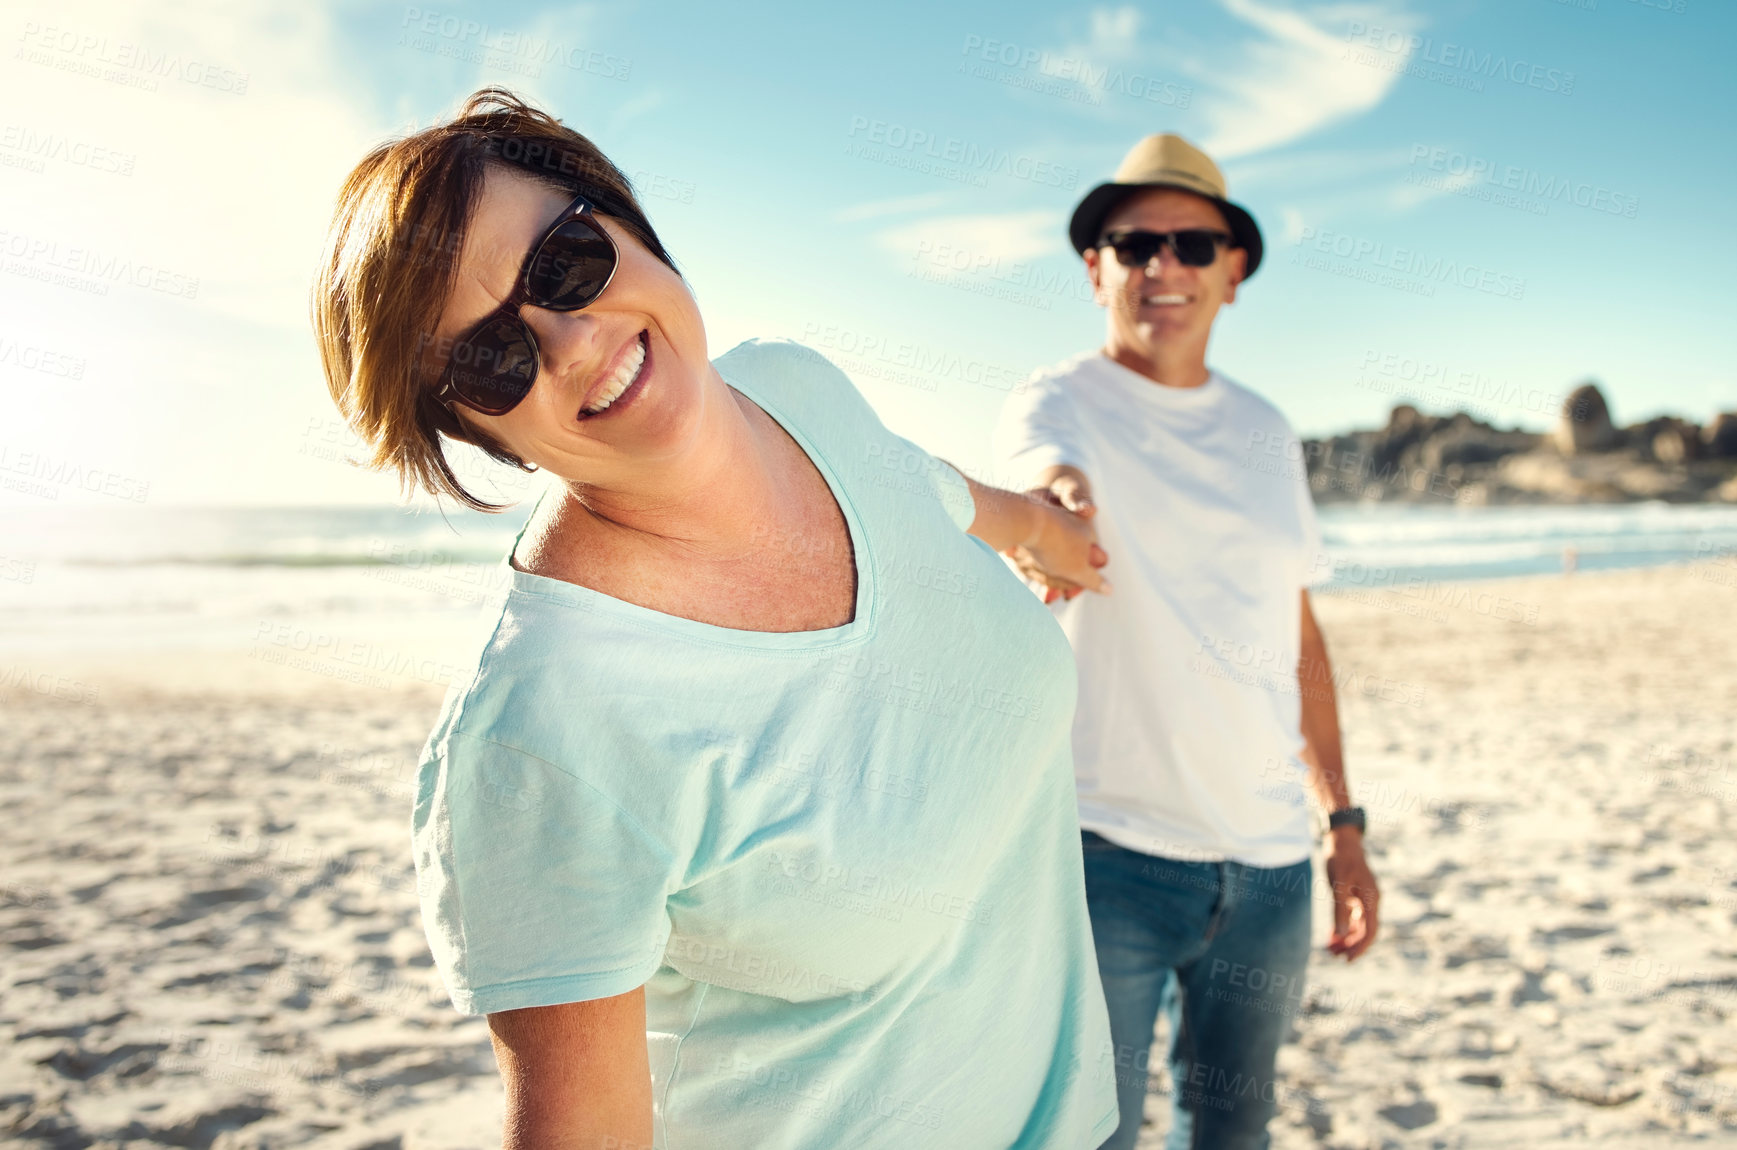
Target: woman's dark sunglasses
(493, 367)
(1193, 247)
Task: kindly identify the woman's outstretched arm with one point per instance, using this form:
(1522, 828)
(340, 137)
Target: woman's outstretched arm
(1050, 542)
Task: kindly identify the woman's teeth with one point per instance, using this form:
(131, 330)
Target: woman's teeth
(620, 381)
(1164, 299)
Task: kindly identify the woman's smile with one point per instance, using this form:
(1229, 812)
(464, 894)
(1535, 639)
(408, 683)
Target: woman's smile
(617, 390)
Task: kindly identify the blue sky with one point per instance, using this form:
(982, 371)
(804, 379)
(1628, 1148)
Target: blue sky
(1470, 203)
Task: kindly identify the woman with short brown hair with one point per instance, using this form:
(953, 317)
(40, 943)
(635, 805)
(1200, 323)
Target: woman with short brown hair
(753, 824)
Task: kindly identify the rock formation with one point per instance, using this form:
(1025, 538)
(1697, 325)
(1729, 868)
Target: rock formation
(1584, 425)
(1720, 436)
(1419, 458)
(1674, 440)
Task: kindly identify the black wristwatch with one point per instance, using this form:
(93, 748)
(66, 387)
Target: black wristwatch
(1348, 817)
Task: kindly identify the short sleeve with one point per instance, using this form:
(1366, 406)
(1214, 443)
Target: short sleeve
(536, 889)
(1038, 429)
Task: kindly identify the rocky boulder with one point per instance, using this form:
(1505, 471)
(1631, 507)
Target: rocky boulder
(1585, 424)
(1720, 436)
(1673, 440)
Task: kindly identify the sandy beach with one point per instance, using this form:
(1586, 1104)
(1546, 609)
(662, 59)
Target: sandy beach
(212, 934)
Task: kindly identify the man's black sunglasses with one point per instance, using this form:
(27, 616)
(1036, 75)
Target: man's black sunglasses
(1193, 247)
(493, 367)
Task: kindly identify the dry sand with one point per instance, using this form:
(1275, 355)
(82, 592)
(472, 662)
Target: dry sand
(211, 931)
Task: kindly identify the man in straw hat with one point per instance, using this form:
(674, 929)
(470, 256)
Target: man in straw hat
(1206, 702)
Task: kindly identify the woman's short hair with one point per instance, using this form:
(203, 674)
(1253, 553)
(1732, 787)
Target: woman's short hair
(390, 260)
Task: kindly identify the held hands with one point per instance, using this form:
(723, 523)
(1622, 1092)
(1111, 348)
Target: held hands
(1062, 551)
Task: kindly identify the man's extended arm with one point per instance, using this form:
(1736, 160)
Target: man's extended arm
(1355, 894)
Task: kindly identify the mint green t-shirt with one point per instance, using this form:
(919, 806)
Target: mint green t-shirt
(845, 864)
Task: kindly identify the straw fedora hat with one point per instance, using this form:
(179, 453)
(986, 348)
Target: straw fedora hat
(1164, 161)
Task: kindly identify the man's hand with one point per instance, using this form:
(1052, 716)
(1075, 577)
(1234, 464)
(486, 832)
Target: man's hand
(1355, 895)
(1062, 553)
(1052, 545)
(1068, 491)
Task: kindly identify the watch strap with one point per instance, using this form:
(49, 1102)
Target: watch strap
(1348, 817)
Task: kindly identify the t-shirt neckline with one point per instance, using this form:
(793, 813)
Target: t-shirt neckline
(1156, 392)
(596, 602)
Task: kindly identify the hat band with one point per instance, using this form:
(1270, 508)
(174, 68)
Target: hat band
(1175, 176)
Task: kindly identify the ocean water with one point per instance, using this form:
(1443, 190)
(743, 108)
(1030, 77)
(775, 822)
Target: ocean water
(101, 578)
(1444, 544)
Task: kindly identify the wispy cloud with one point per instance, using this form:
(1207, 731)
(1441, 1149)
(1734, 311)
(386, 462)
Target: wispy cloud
(1292, 79)
(1314, 167)
(1007, 236)
(1115, 33)
(1283, 77)
(899, 205)
(1406, 196)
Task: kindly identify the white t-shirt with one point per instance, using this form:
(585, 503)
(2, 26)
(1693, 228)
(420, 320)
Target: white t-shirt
(1186, 738)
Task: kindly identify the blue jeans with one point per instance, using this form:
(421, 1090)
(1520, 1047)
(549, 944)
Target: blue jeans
(1221, 949)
